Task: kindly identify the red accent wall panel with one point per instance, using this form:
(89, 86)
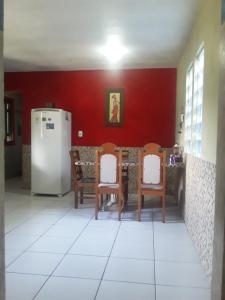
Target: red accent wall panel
(149, 112)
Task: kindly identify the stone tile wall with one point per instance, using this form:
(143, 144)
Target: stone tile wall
(88, 154)
(218, 274)
(199, 207)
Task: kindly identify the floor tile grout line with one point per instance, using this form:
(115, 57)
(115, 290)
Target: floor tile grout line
(20, 205)
(20, 224)
(112, 280)
(152, 284)
(178, 262)
(131, 282)
(27, 248)
(116, 257)
(71, 254)
(30, 217)
(93, 255)
(133, 258)
(67, 252)
(33, 215)
(67, 213)
(50, 205)
(155, 284)
(96, 294)
(38, 238)
(183, 286)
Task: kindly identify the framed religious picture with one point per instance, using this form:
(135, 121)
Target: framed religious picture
(114, 107)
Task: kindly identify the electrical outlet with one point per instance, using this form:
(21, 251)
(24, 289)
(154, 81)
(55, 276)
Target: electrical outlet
(80, 133)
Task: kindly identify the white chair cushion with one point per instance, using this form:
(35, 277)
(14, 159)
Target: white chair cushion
(108, 165)
(152, 186)
(109, 185)
(151, 169)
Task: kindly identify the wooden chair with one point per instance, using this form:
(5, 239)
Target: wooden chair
(109, 179)
(151, 175)
(125, 173)
(78, 181)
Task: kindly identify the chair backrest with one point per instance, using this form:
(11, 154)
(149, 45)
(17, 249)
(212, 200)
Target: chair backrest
(125, 169)
(125, 154)
(152, 165)
(108, 164)
(77, 173)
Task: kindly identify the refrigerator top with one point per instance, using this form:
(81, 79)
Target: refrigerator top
(47, 109)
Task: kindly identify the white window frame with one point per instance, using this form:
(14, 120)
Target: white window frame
(188, 109)
(194, 104)
(198, 102)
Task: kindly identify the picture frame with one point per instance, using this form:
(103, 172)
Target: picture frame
(114, 107)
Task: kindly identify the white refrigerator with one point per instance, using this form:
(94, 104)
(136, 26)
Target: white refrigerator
(50, 146)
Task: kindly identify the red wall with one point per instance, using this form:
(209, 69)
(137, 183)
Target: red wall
(149, 112)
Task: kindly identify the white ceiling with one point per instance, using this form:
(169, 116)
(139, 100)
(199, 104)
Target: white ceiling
(66, 35)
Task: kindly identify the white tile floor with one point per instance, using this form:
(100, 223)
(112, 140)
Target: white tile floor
(54, 252)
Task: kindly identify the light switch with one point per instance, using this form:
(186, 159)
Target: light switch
(80, 133)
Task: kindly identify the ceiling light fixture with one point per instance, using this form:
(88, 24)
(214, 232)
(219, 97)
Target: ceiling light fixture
(114, 50)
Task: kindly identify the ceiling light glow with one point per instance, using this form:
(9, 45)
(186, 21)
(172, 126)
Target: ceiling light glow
(114, 50)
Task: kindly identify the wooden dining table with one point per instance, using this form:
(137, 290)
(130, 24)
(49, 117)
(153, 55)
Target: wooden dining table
(128, 164)
(178, 168)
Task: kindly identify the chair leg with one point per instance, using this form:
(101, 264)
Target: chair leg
(97, 206)
(125, 199)
(120, 197)
(102, 200)
(142, 201)
(163, 208)
(76, 197)
(161, 201)
(139, 207)
(126, 194)
(81, 195)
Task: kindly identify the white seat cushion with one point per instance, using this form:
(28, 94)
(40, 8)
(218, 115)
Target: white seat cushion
(110, 185)
(152, 186)
(108, 164)
(151, 169)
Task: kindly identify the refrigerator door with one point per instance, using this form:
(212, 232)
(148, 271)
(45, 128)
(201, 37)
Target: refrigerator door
(65, 156)
(46, 152)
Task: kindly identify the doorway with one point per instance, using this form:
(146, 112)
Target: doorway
(13, 134)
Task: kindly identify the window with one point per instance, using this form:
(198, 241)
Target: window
(9, 122)
(194, 105)
(188, 110)
(197, 104)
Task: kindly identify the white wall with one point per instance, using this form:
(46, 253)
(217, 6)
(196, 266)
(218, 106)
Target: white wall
(218, 274)
(207, 30)
(2, 268)
(199, 207)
